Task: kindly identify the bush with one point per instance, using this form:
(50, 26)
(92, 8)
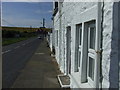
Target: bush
(9, 34)
(13, 34)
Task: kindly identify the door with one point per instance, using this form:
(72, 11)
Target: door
(91, 53)
(68, 62)
(78, 47)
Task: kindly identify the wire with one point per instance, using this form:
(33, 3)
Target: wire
(7, 22)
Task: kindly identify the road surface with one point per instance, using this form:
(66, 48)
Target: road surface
(15, 57)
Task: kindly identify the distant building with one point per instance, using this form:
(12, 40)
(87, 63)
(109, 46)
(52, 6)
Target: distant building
(42, 27)
(86, 42)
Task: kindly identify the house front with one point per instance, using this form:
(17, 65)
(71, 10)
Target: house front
(86, 40)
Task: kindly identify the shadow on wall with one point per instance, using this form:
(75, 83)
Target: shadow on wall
(119, 42)
(115, 48)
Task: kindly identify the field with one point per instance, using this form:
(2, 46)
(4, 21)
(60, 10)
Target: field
(20, 29)
(12, 35)
(23, 29)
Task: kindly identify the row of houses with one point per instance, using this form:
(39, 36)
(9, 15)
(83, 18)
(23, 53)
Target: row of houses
(85, 39)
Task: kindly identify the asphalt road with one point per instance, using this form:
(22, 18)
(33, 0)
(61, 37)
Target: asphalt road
(15, 57)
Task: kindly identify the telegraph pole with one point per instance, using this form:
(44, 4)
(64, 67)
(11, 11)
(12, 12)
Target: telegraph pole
(43, 22)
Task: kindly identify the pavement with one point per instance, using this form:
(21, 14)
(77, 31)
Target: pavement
(40, 72)
(15, 57)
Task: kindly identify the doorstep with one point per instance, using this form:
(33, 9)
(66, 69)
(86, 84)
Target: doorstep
(64, 81)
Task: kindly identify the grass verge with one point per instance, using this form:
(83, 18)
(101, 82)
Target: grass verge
(7, 41)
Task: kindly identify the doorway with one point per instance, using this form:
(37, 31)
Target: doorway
(68, 60)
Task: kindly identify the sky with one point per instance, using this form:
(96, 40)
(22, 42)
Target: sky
(26, 14)
(27, 0)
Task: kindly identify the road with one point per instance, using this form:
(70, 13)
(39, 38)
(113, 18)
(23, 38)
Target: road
(15, 57)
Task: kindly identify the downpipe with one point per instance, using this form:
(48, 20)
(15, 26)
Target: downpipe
(99, 36)
(98, 45)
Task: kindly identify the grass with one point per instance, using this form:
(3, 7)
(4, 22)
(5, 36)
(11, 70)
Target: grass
(30, 33)
(22, 29)
(7, 41)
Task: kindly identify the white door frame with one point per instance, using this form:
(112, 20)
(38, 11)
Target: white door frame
(91, 54)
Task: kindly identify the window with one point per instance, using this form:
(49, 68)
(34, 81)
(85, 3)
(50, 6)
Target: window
(78, 46)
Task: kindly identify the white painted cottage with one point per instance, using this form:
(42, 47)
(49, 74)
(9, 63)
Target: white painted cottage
(86, 38)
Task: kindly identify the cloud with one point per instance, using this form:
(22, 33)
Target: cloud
(49, 24)
(50, 11)
(38, 11)
(43, 12)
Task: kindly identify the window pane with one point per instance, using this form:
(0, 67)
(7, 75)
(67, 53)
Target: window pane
(80, 34)
(92, 38)
(76, 65)
(79, 56)
(91, 68)
(77, 62)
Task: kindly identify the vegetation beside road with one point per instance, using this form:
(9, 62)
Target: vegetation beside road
(20, 29)
(12, 35)
(15, 34)
(23, 29)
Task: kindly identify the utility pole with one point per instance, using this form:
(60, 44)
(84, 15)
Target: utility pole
(43, 22)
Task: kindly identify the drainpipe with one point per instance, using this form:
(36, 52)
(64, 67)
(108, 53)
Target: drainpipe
(98, 44)
(99, 36)
(101, 76)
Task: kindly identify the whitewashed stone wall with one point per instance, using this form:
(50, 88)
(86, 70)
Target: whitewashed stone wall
(56, 27)
(69, 14)
(50, 42)
(107, 37)
(110, 46)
